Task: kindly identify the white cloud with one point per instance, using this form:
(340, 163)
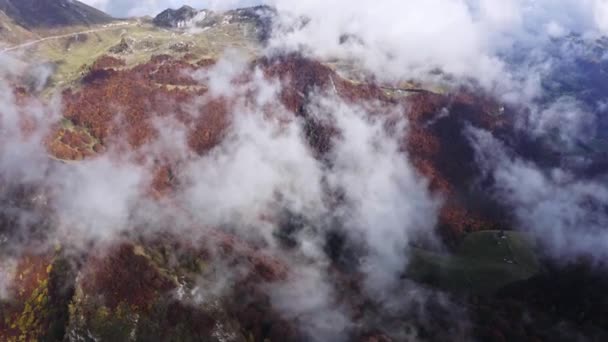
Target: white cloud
(401, 39)
(567, 215)
(264, 164)
(309, 298)
(387, 203)
(94, 199)
(398, 35)
(600, 9)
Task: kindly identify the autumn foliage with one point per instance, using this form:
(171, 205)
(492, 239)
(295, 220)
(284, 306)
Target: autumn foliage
(121, 105)
(106, 276)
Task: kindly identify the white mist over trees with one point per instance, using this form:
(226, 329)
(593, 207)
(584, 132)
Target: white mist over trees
(365, 186)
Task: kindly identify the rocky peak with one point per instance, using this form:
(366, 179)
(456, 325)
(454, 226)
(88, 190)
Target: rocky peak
(172, 18)
(260, 17)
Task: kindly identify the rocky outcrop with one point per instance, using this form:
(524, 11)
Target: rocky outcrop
(260, 17)
(171, 18)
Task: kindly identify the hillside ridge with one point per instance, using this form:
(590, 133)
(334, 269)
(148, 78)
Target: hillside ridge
(33, 14)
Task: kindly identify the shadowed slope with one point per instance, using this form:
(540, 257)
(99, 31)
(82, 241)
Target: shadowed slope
(52, 13)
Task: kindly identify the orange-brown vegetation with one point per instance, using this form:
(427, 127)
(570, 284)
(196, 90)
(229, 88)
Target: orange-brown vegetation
(31, 270)
(162, 181)
(165, 70)
(262, 267)
(123, 104)
(25, 316)
(434, 142)
(107, 62)
(71, 144)
(303, 76)
(122, 276)
(461, 221)
(205, 62)
(208, 129)
(441, 152)
(112, 103)
(247, 301)
(216, 245)
(115, 103)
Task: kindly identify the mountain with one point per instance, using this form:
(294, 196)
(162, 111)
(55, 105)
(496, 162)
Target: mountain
(175, 18)
(11, 32)
(261, 17)
(155, 188)
(52, 13)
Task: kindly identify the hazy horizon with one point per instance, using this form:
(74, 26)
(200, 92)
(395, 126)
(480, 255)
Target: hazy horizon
(129, 8)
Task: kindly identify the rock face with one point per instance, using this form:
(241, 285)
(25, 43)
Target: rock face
(52, 13)
(171, 18)
(261, 17)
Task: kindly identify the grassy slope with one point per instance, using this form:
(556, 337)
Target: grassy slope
(483, 264)
(11, 32)
(72, 56)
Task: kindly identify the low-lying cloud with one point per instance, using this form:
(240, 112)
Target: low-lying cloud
(568, 216)
(397, 40)
(365, 187)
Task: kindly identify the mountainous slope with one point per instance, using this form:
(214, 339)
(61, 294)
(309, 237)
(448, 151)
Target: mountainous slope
(186, 17)
(156, 216)
(11, 32)
(175, 18)
(52, 13)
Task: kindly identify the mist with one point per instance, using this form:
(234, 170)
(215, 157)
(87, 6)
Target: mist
(267, 189)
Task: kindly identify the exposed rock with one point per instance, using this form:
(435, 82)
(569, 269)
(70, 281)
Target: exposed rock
(181, 47)
(260, 17)
(175, 18)
(124, 47)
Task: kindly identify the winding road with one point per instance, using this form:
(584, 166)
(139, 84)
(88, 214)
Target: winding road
(68, 35)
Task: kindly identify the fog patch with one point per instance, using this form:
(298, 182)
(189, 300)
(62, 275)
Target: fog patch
(567, 215)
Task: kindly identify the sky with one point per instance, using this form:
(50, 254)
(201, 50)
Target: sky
(127, 8)
(555, 14)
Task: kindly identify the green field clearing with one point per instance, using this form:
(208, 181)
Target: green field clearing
(484, 263)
